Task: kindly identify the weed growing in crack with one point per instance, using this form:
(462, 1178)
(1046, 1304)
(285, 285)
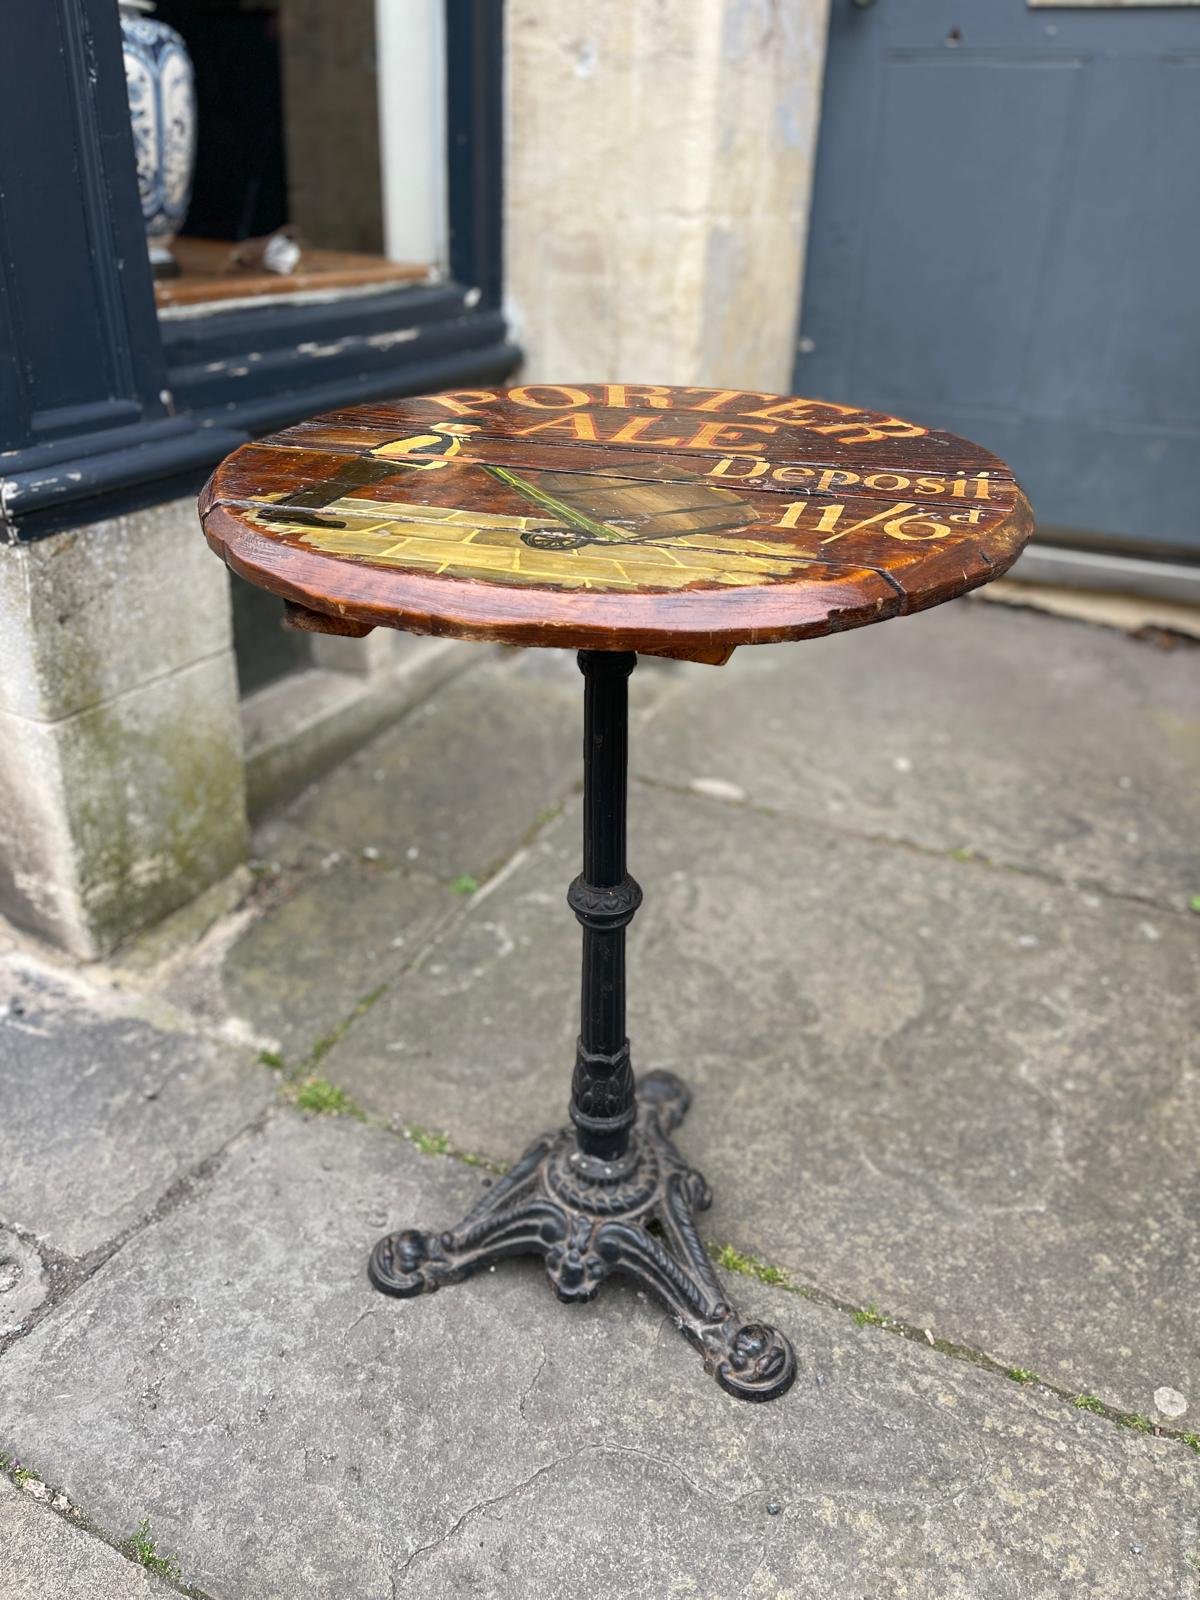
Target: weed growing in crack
(140, 1547)
(868, 1317)
(465, 885)
(272, 1059)
(1020, 1375)
(469, 1159)
(429, 1144)
(325, 1099)
(1090, 1402)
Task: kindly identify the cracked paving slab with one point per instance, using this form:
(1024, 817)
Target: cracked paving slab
(231, 1375)
(966, 1097)
(1041, 743)
(103, 1109)
(43, 1558)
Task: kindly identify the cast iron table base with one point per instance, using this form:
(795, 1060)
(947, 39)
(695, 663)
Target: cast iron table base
(611, 1193)
(603, 517)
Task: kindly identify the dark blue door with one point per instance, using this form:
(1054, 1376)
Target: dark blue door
(1005, 241)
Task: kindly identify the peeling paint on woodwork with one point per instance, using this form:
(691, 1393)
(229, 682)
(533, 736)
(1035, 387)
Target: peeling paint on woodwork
(371, 341)
(384, 341)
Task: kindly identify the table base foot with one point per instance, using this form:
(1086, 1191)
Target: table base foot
(586, 1219)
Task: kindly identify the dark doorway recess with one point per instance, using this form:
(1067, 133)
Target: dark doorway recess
(240, 189)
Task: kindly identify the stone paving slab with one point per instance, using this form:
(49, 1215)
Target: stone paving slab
(25, 1280)
(455, 786)
(963, 1095)
(1031, 740)
(231, 1376)
(322, 946)
(363, 867)
(42, 1557)
(103, 1110)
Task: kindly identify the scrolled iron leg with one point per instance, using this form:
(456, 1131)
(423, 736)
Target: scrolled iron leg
(587, 1220)
(511, 1219)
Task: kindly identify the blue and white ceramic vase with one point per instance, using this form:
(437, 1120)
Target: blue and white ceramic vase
(162, 108)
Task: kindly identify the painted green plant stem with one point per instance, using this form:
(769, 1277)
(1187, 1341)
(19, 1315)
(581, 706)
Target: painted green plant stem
(568, 514)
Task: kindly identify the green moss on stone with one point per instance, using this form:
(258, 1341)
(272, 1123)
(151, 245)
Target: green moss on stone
(750, 1266)
(137, 864)
(327, 1041)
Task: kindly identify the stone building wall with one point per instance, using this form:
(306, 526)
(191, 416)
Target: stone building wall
(121, 785)
(658, 169)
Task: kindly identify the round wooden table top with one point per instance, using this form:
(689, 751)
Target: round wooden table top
(679, 522)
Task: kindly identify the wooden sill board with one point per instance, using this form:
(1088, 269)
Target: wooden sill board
(204, 276)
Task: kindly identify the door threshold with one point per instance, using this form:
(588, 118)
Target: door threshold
(1116, 591)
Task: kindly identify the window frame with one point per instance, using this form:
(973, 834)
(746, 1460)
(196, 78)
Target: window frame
(142, 410)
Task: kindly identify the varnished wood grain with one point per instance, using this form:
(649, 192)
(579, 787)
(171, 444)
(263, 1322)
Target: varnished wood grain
(672, 521)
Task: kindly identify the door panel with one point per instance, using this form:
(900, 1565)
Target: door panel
(1005, 241)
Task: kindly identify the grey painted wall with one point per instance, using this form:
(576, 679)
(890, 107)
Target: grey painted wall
(1004, 239)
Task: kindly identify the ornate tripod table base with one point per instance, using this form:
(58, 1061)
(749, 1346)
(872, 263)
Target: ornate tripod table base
(611, 1193)
(611, 518)
(588, 1218)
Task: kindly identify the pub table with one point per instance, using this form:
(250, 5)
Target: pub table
(612, 519)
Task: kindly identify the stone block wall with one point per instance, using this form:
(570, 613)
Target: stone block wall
(658, 169)
(121, 775)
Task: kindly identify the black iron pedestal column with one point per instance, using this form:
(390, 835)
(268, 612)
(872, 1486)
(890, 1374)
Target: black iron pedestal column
(604, 898)
(611, 1193)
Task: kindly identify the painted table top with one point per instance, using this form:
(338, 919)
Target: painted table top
(678, 522)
